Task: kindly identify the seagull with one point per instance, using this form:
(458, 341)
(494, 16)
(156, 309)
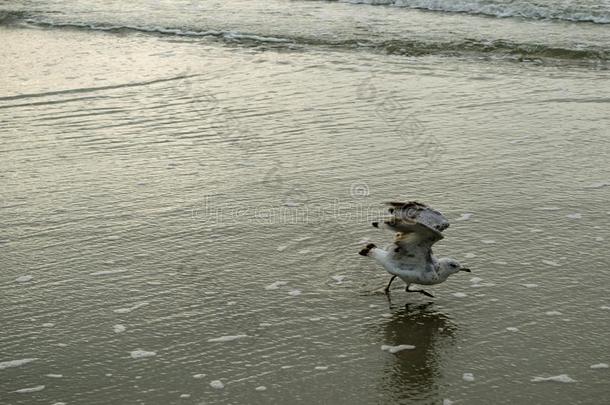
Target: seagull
(417, 228)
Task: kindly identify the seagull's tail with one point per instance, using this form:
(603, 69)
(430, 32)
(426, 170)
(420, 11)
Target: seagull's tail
(367, 249)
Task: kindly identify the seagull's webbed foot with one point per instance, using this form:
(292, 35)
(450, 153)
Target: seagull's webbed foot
(387, 289)
(426, 293)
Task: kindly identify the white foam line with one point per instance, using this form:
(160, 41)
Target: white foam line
(30, 389)
(140, 354)
(227, 338)
(127, 310)
(16, 363)
(106, 272)
(562, 378)
(396, 349)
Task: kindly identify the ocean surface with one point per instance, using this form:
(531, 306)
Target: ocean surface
(185, 185)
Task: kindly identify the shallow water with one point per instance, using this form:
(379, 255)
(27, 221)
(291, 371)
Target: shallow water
(180, 210)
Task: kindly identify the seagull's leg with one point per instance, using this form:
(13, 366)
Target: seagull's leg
(389, 298)
(387, 289)
(427, 294)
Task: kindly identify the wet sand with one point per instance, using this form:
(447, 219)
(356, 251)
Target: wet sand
(181, 221)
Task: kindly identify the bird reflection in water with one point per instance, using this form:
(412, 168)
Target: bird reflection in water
(413, 374)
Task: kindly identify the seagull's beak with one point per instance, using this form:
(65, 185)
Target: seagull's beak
(466, 269)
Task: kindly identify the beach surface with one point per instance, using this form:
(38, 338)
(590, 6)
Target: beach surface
(186, 185)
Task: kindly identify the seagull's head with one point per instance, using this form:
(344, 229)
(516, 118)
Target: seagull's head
(450, 266)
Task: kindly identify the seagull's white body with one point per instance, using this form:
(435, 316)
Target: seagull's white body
(408, 273)
(410, 257)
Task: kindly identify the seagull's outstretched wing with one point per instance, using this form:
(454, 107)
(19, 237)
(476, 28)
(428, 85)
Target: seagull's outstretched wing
(420, 213)
(413, 241)
(417, 228)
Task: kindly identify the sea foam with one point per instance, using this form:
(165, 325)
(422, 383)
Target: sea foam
(562, 378)
(30, 389)
(217, 384)
(129, 309)
(396, 349)
(15, 363)
(227, 338)
(140, 354)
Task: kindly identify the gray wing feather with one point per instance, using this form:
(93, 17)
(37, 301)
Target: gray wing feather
(413, 241)
(420, 213)
(418, 227)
